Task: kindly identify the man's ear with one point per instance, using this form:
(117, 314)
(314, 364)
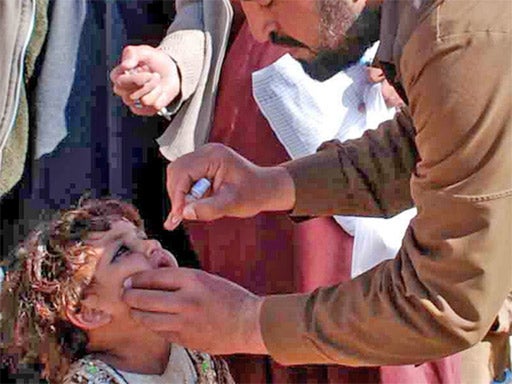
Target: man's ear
(89, 316)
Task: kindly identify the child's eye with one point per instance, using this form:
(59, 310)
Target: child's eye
(123, 249)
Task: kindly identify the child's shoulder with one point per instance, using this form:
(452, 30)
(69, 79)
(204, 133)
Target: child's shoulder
(89, 370)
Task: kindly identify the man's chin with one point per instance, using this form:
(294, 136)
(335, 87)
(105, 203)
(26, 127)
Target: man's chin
(302, 54)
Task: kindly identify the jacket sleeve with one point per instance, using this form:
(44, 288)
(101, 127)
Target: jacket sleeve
(454, 270)
(185, 44)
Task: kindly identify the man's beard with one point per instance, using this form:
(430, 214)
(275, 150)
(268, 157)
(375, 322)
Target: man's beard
(344, 37)
(336, 18)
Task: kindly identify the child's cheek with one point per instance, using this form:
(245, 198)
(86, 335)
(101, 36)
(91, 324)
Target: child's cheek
(133, 265)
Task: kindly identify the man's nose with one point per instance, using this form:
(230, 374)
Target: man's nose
(260, 20)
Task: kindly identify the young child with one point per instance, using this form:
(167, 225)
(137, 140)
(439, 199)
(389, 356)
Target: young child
(62, 303)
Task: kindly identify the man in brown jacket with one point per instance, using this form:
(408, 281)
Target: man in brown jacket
(449, 155)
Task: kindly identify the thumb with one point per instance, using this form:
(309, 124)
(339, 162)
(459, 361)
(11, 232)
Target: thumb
(209, 208)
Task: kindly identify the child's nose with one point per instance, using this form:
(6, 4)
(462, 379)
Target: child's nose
(157, 256)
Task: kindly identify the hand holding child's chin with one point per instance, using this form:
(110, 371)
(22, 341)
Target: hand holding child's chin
(197, 310)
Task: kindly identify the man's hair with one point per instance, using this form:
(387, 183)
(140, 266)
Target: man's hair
(48, 276)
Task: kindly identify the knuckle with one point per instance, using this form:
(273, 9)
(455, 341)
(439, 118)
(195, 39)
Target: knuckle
(118, 90)
(156, 77)
(193, 276)
(113, 75)
(210, 147)
(128, 49)
(217, 151)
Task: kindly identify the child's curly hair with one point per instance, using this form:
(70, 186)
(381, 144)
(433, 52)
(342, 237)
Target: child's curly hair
(50, 272)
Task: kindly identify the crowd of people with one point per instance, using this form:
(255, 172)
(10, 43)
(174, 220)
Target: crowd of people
(356, 226)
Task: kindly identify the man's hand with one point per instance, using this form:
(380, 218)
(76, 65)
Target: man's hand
(239, 187)
(146, 75)
(197, 310)
(503, 321)
(390, 95)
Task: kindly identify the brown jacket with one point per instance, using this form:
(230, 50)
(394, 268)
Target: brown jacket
(450, 156)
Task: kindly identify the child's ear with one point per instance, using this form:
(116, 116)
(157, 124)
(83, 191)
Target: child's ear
(89, 316)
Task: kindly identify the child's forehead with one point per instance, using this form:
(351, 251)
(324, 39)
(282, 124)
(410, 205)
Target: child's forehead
(119, 227)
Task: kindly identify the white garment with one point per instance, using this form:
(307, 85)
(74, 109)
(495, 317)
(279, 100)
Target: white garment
(304, 113)
(180, 369)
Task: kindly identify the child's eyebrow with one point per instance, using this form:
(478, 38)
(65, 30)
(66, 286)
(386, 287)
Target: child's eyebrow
(122, 235)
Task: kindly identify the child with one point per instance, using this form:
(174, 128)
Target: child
(62, 304)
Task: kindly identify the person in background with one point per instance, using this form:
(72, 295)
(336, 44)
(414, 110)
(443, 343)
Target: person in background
(62, 130)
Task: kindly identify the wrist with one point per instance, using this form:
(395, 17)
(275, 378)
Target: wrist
(174, 82)
(280, 190)
(252, 339)
(177, 72)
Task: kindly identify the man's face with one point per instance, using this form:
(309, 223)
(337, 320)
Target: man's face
(309, 26)
(122, 251)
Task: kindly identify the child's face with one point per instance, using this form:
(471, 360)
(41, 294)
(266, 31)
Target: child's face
(122, 251)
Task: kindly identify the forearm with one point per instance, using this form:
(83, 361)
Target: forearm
(278, 189)
(434, 294)
(378, 317)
